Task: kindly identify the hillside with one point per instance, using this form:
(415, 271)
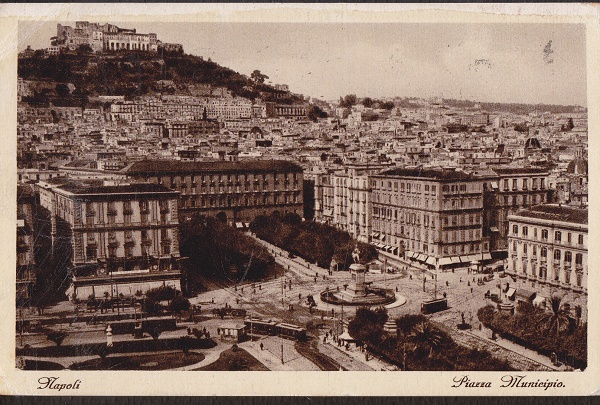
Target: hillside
(132, 74)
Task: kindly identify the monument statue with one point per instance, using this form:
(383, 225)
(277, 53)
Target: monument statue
(356, 254)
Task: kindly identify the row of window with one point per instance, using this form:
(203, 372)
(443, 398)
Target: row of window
(568, 256)
(558, 235)
(235, 201)
(542, 272)
(524, 184)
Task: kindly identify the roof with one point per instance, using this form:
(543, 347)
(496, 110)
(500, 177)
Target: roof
(98, 187)
(554, 212)
(578, 166)
(149, 167)
(438, 174)
(519, 170)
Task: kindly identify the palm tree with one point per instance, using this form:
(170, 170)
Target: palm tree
(557, 320)
(425, 335)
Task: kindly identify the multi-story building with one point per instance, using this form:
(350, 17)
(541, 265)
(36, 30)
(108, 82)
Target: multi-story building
(233, 191)
(352, 199)
(324, 198)
(26, 266)
(117, 239)
(433, 216)
(548, 252)
(506, 190)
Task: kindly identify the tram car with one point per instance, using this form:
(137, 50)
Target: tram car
(268, 327)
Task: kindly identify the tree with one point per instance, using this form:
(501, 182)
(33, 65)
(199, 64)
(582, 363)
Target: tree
(57, 337)
(367, 102)
(425, 336)
(258, 78)
(179, 304)
(557, 320)
(348, 101)
(315, 112)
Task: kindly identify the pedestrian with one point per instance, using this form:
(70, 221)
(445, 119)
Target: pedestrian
(447, 283)
(299, 296)
(410, 277)
(260, 287)
(460, 280)
(262, 346)
(471, 289)
(468, 283)
(396, 288)
(212, 300)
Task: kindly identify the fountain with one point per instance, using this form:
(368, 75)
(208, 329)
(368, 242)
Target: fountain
(358, 292)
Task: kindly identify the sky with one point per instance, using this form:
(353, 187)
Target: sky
(521, 63)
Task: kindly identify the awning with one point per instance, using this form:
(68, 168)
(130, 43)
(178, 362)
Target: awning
(539, 301)
(525, 294)
(510, 293)
(494, 229)
(328, 213)
(375, 235)
(395, 250)
(455, 259)
(430, 260)
(247, 225)
(389, 248)
(472, 258)
(382, 237)
(465, 259)
(421, 257)
(444, 260)
(494, 184)
(487, 256)
(239, 225)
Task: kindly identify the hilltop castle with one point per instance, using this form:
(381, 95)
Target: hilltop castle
(107, 37)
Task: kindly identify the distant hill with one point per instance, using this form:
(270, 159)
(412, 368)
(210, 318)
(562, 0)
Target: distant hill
(515, 108)
(132, 74)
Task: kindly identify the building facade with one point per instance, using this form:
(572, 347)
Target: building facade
(235, 192)
(548, 252)
(119, 239)
(432, 216)
(507, 190)
(26, 265)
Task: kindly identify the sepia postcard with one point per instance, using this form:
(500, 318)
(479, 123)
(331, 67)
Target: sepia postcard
(298, 199)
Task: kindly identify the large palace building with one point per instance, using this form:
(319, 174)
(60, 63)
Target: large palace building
(233, 192)
(107, 37)
(119, 239)
(432, 216)
(547, 247)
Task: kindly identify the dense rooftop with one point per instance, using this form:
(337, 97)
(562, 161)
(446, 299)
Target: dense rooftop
(554, 212)
(154, 167)
(437, 174)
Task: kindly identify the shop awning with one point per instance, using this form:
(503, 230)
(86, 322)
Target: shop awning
(465, 259)
(494, 184)
(487, 256)
(539, 301)
(375, 235)
(389, 249)
(430, 260)
(247, 225)
(421, 257)
(239, 225)
(494, 229)
(444, 261)
(455, 259)
(382, 237)
(511, 293)
(395, 250)
(328, 213)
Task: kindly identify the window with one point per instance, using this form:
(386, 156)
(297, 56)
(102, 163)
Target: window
(580, 239)
(568, 256)
(544, 234)
(515, 229)
(543, 252)
(514, 184)
(505, 184)
(557, 254)
(557, 236)
(569, 237)
(579, 259)
(525, 231)
(524, 249)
